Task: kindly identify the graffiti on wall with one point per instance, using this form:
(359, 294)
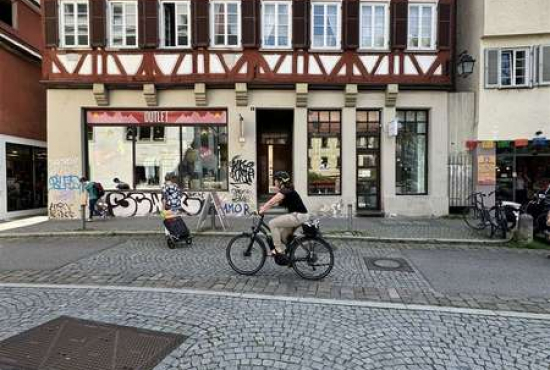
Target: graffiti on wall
(142, 203)
(61, 210)
(64, 189)
(241, 171)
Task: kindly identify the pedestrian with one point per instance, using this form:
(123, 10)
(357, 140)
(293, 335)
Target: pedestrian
(120, 185)
(92, 196)
(282, 227)
(171, 193)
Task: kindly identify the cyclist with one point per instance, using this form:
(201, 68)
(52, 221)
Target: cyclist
(282, 227)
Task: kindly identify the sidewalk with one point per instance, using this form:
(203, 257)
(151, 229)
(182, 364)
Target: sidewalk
(397, 228)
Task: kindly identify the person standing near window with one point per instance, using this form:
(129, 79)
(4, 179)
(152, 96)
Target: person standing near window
(92, 196)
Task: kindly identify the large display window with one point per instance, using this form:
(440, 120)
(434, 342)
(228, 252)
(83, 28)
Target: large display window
(26, 172)
(142, 147)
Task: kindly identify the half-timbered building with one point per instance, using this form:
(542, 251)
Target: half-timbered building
(349, 96)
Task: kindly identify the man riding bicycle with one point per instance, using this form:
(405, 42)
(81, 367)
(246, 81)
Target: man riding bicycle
(282, 227)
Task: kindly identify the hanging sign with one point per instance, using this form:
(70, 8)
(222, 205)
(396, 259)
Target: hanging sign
(156, 117)
(486, 169)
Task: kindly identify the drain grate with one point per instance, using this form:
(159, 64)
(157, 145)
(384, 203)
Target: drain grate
(68, 343)
(388, 264)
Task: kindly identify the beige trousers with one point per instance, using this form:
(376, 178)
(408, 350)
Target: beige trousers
(283, 226)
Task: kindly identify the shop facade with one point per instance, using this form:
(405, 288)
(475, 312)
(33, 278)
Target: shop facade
(337, 156)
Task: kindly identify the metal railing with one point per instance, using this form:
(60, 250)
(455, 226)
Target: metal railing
(461, 181)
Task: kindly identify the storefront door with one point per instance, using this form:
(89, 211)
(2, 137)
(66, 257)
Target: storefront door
(368, 161)
(274, 147)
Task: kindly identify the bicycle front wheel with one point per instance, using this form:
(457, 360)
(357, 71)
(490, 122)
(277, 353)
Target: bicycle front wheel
(473, 216)
(312, 258)
(246, 254)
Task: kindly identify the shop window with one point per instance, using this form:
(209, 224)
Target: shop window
(175, 24)
(6, 12)
(144, 155)
(324, 135)
(26, 177)
(90, 133)
(368, 159)
(412, 153)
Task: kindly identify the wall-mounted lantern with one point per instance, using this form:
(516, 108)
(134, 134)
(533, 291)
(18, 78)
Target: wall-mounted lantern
(465, 64)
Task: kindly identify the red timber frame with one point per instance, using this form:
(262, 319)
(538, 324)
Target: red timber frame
(255, 66)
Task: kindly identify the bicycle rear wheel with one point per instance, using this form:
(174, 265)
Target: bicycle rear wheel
(246, 254)
(473, 216)
(312, 258)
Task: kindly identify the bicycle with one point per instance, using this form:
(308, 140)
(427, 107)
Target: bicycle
(311, 256)
(478, 216)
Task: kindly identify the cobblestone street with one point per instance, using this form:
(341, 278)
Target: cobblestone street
(237, 333)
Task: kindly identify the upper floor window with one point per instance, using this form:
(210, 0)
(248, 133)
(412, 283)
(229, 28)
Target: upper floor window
(6, 12)
(123, 24)
(326, 25)
(276, 24)
(507, 67)
(374, 26)
(74, 23)
(421, 35)
(175, 27)
(226, 23)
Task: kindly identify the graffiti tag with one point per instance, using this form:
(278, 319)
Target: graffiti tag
(61, 210)
(64, 182)
(132, 204)
(236, 209)
(241, 171)
(240, 195)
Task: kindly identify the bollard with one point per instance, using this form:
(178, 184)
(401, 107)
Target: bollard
(350, 217)
(83, 215)
(524, 232)
(212, 212)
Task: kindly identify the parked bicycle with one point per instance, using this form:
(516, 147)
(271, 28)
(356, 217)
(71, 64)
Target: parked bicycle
(309, 254)
(500, 218)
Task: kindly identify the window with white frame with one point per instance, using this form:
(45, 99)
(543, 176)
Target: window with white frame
(123, 23)
(421, 33)
(276, 24)
(374, 25)
(507, 67)
(175, 27)
(326, 25)
(226, 23)
(74, 21)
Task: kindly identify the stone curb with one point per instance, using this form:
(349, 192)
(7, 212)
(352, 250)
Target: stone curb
(233, 233)
(289, 299)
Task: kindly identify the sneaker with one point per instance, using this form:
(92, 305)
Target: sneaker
(90, 220)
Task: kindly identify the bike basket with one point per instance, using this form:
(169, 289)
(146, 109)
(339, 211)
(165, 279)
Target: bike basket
(311, 228)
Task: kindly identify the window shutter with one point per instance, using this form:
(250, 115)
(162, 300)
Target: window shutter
(491, 68)
(200, 17)
(399, 22)
(250, 10)
(444, 24)
(544, 65)
(97, 16)
(51, 27)
(148, 26)
(351, 24)
(300, 24)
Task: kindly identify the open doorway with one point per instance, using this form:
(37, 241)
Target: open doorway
(274, 147)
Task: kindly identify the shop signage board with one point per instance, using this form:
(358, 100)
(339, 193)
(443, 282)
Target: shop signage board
(156, 117)
(212, 199)
(486, 169)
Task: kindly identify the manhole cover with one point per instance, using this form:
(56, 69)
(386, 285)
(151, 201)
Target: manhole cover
(67, 343)
(388, 264)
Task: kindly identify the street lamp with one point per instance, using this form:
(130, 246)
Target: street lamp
(465, 64)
